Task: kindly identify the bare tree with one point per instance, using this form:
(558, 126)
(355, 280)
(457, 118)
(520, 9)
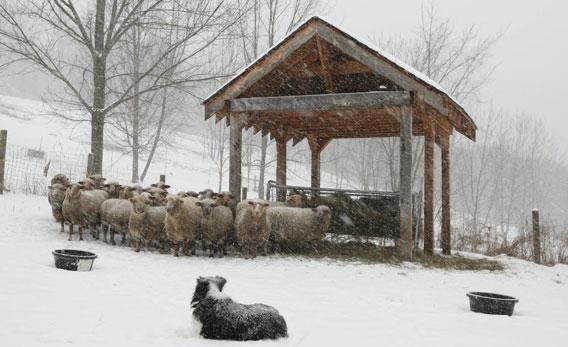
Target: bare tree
(75, 43)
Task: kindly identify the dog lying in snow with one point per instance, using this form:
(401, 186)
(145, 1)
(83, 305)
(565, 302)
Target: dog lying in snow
(222, 318)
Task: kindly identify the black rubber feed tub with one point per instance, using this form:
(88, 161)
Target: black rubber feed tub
(491, 303)
(74, 260)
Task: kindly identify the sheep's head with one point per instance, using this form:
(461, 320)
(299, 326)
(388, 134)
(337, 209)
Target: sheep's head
(61, 179)
(74, 191)
(139, 203)
(161, 185)
(225, 198)
(138, 189)
(126, 192)
(98, 181)
(208, 287)
(88, 184)
(207, 206)
(322, 211)
(192, 194)
(259, 210)
(295, 200)
(207, 194)
(173, 204)
(113, 189)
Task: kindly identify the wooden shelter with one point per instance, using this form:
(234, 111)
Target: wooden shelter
(320, 83)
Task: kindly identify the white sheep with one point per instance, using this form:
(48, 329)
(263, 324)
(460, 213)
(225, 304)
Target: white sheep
(298, 224)
(146, 223)
(82, 207)
(56, 196)
(115, 214)
(216, 224)
(250, 226)
(183, 221)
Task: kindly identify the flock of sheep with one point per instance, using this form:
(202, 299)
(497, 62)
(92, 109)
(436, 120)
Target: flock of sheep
(152, 216)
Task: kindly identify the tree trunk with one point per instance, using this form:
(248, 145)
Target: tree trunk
(158, 134)
(99, 84)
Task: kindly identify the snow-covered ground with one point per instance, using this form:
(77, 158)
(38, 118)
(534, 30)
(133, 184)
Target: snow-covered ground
(143, 299)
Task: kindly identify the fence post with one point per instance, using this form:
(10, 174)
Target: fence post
(163, 178)
(536, 236)
(3, 140)
(244, 193)
(90, 164)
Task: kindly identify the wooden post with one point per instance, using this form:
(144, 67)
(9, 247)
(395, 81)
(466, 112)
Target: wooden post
(428, 187)
(90, 164)
(536, 235)
(281, 167)
(446, 222)
(405, 202)
(245, 193)
(316, 147)
(3, 145)
(163, 178)
(235, 153)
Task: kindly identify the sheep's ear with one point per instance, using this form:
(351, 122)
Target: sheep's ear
(152, 197)
(265, 204)
(81, 182)
(166, 186)
(153, 185)
(231, 196)
(131, 199)
(251, 203)
(49, 187)
(314, 209)
(214, 205)
(222, 281)
(198, 203)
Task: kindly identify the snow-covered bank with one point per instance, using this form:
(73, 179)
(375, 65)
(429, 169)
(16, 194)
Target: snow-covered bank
(143, 299)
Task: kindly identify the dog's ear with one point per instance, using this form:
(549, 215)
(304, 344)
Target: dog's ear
(201, 279)
(222, 281)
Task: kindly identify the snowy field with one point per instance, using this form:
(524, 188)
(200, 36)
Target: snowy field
(143, 299)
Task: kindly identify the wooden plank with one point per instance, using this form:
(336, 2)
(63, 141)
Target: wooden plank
(3, 145)
(260, 69)
(405, 202)
(428, 187)
(323, 65)
(320, 102)
(446, 221)
(235, 153)
(281, 166)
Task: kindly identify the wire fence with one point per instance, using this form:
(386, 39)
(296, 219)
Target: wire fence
(29, 170)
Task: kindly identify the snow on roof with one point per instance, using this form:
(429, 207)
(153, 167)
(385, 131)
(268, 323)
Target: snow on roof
(417, 74)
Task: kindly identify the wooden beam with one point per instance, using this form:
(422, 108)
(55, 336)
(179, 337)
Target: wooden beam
(323, 66)
(281, 166)
(235, 153)
(405, 202)
(446, 221)
(316, 147)
(320, 102)
(428, 187)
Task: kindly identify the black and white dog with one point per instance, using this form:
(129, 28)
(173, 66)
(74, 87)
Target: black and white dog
(222, 318)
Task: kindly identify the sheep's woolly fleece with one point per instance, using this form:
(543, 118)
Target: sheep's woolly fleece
(143, 299)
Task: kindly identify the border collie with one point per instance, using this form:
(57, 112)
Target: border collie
(223, 319)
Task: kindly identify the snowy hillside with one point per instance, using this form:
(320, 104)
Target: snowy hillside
(31, 125)
(143, 299)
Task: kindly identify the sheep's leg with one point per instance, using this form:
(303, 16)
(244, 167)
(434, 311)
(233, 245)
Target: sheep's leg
(192, 247)
(138, 243)
(70, 232)
(175, 246)
(149, 245)
(97, 232)
(265, 248)
(80, 232)
(221, 249)
(211, 250)
(105, 231)
(123, 238)
(187, 247)
(62, 226)
(112, 232)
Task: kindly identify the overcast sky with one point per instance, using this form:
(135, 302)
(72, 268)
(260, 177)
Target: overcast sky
(531, 57)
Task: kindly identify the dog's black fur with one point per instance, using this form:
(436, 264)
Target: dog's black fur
(224, 319)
